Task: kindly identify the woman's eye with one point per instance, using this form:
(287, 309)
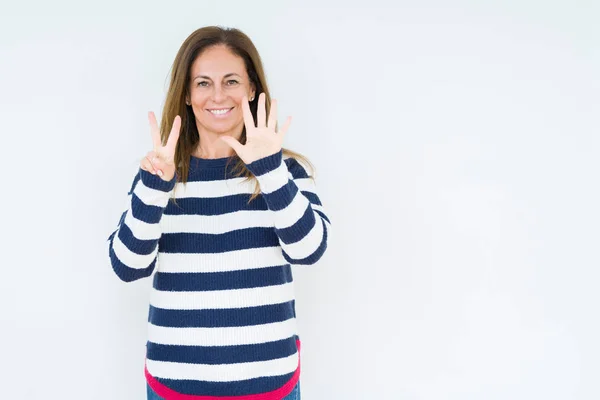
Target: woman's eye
(202, 83)
(232, 80)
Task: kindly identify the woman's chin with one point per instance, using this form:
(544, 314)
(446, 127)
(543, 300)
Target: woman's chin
(221, 128)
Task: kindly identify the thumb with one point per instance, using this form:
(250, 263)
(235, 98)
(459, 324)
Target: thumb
(234, 144)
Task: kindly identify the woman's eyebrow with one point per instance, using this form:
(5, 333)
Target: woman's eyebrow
(208, 77)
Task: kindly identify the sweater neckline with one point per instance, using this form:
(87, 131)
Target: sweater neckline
(203, 163)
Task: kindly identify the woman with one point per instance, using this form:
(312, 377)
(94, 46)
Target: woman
(220, 210)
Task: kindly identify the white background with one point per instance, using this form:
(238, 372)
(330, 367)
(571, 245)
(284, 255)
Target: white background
(456, 146)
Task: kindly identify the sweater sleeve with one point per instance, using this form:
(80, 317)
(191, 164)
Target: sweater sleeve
(301, 223)
(133, 246)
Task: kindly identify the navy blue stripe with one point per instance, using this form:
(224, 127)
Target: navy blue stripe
(199, 174)
(266, 164)
(322, 214)
(156, 182)
(218, 243)
(215, 205)
(295, 168)
(313, 198)
(202, 281)
(240, 388)
(148, 213)
(299, 229)
(215, 355)
(138, 246)
(314, 257)
(124, 272)
(222, 318)
(282, 197)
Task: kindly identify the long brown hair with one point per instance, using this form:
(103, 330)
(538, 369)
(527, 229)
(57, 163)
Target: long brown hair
(189, 138)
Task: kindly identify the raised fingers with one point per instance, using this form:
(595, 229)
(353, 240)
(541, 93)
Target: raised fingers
(174, 136)
(285, 127)
(261, 113)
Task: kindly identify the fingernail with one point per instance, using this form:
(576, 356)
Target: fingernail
(159, 172)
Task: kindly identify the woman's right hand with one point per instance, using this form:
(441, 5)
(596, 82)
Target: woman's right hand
(161, 160)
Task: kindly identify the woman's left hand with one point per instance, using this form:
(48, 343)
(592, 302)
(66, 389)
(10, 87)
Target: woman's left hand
(261, 140)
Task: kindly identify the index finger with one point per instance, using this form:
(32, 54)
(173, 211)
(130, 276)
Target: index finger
(156, 140)
(174, 135)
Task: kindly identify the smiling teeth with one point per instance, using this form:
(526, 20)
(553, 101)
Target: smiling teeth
(220, 111)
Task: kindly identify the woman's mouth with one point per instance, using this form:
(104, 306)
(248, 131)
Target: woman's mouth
(220, 112)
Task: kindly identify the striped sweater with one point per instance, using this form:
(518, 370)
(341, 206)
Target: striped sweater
(221, 320)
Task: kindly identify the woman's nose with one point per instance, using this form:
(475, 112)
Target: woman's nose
(218, 94)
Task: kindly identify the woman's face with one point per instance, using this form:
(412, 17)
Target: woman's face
(218, 82)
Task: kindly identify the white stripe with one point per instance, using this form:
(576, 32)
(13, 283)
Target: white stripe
(140, 229)
(308, 244)
(292, 213)
(211, 189)
(306, 185)
(261, 257)
(129, 258)
(275, 179)
(223, 372)
(151, 197)
(217, 224)
(219, 299)
(229, 336)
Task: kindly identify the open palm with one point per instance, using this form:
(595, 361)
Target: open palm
(262, 139)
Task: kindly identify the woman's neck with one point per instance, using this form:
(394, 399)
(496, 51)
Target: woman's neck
(211, 146)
